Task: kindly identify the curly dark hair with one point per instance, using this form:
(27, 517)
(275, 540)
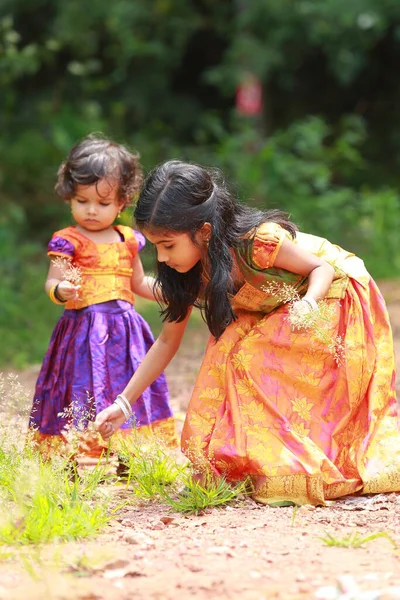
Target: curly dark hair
(95, 158)
(181, 197)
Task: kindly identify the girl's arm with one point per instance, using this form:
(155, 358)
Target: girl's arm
(297, 260)
(142, 285)
(153, 364)
(66, 290)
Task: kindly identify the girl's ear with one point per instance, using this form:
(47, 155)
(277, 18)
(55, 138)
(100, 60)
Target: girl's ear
(121, 205)
(205, 232)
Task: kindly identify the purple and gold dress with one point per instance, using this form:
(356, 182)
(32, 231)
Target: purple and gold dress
(96, 346)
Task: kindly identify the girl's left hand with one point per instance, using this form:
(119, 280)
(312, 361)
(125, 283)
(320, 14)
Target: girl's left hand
(302, 313)
(67, 290)
(109, 420)
(301, 308)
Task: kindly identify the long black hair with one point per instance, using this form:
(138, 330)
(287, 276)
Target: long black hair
(180, 197)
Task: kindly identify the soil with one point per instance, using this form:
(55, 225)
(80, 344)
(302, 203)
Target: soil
(245, 550)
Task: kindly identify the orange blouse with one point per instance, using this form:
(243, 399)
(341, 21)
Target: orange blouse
(106, 269)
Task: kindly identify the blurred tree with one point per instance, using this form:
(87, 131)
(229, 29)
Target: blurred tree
(170, 68)
(68, 68)
(161, 76)
(326, 57)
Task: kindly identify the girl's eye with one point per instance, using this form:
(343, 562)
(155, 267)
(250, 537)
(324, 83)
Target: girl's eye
(168, 247)
(105, 203)
(81, 201)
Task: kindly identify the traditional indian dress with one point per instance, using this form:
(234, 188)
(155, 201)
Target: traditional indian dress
(280, 406)
(96, 346)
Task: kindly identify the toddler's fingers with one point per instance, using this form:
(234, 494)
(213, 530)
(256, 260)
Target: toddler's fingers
(68, 287)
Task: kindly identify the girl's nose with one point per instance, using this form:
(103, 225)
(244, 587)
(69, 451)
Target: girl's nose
(92, 209)
(161, 255)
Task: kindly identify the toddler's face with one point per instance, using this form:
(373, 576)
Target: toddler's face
(177, 250)
(95, 207)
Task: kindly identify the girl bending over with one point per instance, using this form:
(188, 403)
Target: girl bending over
(296, 389)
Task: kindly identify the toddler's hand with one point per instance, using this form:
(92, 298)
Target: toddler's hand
(67, 291)
(109, 420)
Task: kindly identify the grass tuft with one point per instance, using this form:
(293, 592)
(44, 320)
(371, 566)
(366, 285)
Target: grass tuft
(208, 493)
(355, 539)
(148, 465)
(41, 502)
(154, 473)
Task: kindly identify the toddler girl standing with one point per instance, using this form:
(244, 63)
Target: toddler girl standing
(100, 340)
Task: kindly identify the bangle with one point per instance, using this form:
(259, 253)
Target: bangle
(126, 402)
(56, 295)
(311, 303)
(53, 295)
(121, 404)
(118, 402)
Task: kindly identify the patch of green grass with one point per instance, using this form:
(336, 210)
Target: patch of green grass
(44, 501)
(149, 466)
(198, 495)
(355, 539)
(153, 472)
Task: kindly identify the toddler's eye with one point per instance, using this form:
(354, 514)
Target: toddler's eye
(168, 247)
(105, 203)
(81, 201)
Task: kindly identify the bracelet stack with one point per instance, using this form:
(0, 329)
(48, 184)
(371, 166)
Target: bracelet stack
(53, 295)
(124, 405)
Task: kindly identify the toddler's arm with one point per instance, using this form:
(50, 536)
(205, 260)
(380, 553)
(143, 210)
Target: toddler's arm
(65, 290)
(142, 285)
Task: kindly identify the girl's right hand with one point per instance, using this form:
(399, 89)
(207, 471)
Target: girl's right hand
(109, 420)
(67, 291)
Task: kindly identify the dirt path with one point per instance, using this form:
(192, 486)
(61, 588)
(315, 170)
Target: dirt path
(245, 551)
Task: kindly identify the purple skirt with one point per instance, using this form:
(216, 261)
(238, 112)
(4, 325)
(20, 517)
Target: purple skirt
(93, 353)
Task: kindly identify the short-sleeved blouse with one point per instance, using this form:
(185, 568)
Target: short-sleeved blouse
(256, 262)
(105, 269)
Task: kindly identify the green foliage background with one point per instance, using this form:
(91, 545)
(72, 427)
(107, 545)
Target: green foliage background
(160, 76)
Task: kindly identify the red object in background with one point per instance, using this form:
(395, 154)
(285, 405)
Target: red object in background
(249, 96)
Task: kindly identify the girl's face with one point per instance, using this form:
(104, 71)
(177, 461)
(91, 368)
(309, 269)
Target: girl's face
(95, 207)
(177, 250)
